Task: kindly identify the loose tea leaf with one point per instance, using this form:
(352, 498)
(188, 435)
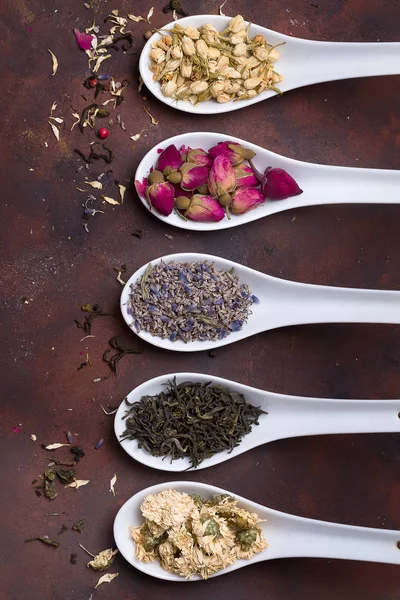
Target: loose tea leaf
(66, 476)
(79, 525)
(44, 540)
(121, 351)
(190, 419)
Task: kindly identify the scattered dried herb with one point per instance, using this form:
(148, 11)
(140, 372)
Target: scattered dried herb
(66, 476)
(54, 62)
(79, 525)
(138, 233)
(93, 314)
(107, 578)
(63, 463)
(73, 558)
(99, 444)
(212, 354)
(44, 540)
(77, 452)
(121, 351)
(112, 483)
(54, 446)
(86, 363)
(50, 489)
(68, 435)
(194, 420)
(176, 6)
(63, 528)
(77, 483)
(124, 37)
(103, 560)
(108, 156)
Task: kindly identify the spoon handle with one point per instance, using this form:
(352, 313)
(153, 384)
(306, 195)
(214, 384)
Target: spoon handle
(330, 61)
(291, 416)
(300, 304)
(292, 536)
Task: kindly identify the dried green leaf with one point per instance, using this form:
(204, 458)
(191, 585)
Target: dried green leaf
(79, 525)
(77, 483)
(55, 130)
(137, 136)
(110, 200)
(103, 560)
(107, 578)
(55, 446)
(112, 483)
(55, 62)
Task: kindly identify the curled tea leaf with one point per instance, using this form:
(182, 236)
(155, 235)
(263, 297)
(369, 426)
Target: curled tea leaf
(103, 560)
(77, 483)
(55, 446)
(107, 578)
(112, 483)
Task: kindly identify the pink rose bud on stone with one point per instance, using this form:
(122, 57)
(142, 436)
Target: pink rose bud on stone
(199, 157)
(246, 198)
(141, 187)
(170, 157)
(161, 196)
(193, 176)
(205, 208)
(221, 179)
(230, 149)
(245, 176)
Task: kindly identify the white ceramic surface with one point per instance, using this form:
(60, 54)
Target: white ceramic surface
(288, 536)
(301, 63)
(288, 416)
(321, 184)
(282, 303)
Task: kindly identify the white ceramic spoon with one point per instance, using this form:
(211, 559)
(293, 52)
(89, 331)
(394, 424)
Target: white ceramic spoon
(301, 63)
(321, 184)
(281, 303)
(288, 416)
(288, 536)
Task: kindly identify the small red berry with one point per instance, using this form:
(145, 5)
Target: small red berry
(92, 83)
(103, 133)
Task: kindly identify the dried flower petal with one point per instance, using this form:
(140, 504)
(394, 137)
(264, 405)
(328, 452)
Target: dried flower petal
(141, 187)
(227, 148)
(107, 578)
(221, 7)
(84, 40)
(95, 184)
(122, 190)
(55, 130)
(170, 157)
(153, 121)
(77, 483)
(150, 14)
(110, 200)
(112, 483)
(137, 136)
(246, 198)
(103, 560)
(55, 446)
(54, 62)
(136, 19)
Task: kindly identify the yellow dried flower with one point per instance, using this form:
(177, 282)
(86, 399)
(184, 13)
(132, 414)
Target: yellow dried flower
(188, 46)
(202, 49)
(169, 88)
(261, 53)
(237, 38)
(185, 68)
(216, 88)
(252, 62)
(274, 55)
(233, 74)
(157, 55)
(193, 99)
(198, 86)
(222, 98)
(276, 78)
(172, 65)
(176, 52)
(213, 53)
(239, 50)
(192, 32)
(209, 34)
(103, 560)
(222, 64)
(237, 24)
(252, 83)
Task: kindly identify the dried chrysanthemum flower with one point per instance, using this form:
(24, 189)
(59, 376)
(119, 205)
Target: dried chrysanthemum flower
(103, 560)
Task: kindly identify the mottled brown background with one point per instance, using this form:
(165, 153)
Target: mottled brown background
(48, 258)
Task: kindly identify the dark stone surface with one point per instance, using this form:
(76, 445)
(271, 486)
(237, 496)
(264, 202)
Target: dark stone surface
(48, 259)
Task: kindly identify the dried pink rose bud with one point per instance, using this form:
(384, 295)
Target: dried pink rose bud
(170, 157)
(199, 157)
(180, 192)
(141, 187)
(228, 149)
(221, 179)
(205, 208)
(161, 197)
(277, 184)
(193, 176)
(246, 198)
(245, 176)
(84, 39)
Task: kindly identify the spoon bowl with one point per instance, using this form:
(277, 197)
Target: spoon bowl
(302, 62)
(321, 184)
(288, 536)
(281, 303)
(288, 416)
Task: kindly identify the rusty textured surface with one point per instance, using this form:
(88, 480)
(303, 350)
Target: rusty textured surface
(48, 259)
